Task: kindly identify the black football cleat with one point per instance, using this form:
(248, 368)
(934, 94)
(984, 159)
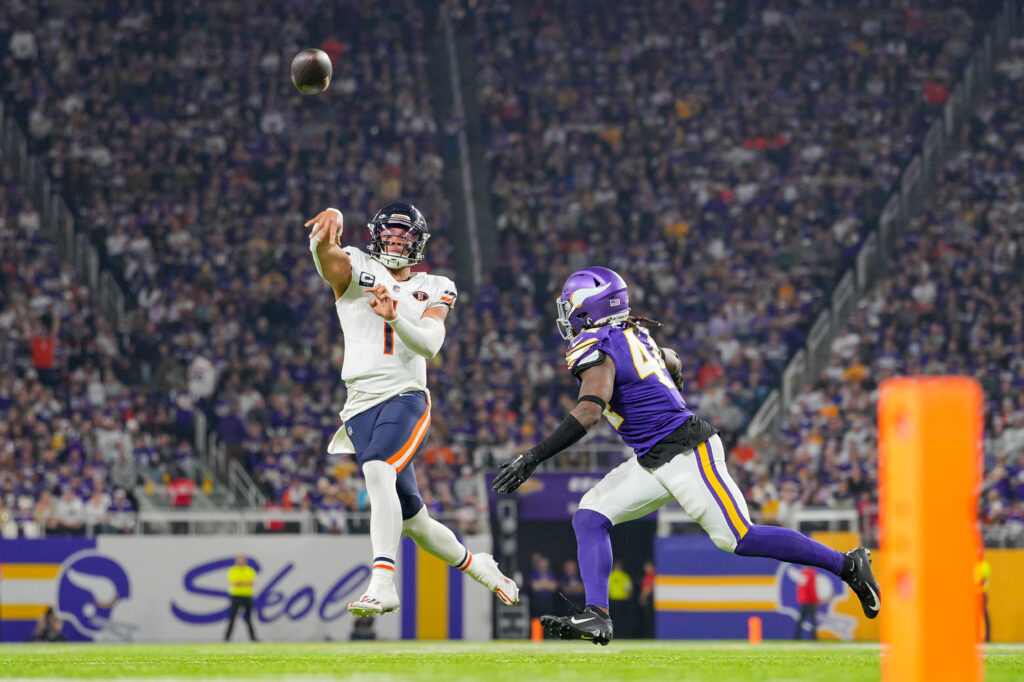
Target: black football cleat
(860, 579)
(589, 624)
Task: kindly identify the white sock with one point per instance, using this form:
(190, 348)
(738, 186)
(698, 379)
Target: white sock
(385, 518)
(437, 539)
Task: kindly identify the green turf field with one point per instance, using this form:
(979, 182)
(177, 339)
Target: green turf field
(456, 661)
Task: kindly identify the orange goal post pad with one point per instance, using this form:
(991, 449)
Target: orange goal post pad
(930, 451)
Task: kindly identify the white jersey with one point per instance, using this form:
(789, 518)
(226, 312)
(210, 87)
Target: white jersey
(377, 364)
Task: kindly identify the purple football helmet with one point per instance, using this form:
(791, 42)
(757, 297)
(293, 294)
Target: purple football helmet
(590, 297)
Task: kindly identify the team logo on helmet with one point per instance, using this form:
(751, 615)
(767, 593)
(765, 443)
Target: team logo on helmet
(89, 588)
(591, 297)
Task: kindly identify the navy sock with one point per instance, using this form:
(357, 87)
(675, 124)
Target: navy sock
(594, 552)
(785, 544)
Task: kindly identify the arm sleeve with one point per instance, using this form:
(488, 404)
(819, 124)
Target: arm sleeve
(422, 336)
(316, 258)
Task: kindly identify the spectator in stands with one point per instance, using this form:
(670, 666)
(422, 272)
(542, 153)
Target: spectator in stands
(45, 514)
(95, 512)
(121, 513)
(70, 513)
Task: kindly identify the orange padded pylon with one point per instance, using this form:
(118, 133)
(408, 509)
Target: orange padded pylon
(930, 434)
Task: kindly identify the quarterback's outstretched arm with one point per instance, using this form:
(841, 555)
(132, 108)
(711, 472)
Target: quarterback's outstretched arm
(332, 262)
(596, 386)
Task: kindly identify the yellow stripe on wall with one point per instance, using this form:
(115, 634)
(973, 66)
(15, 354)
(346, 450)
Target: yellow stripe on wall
(715, 580)
(30, 571)
(22, 611)
(431, 597)
(714, 605)
(719, 491)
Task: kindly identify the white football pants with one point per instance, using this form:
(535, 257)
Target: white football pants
(697, 479)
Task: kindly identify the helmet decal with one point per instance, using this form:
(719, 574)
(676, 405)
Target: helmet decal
(590, 297)
(580, 295)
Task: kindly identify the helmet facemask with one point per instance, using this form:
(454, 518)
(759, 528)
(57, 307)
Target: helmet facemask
(384, 238)
(398, 225)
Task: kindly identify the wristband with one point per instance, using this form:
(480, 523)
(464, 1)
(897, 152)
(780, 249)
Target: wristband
(567, 433)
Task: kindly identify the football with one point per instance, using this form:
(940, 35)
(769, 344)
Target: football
(311, 71)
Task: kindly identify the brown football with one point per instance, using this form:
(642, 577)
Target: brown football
(311, 71)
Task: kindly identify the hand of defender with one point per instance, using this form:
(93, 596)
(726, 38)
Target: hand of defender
(513, 474)
(382, 303)
(329, 224)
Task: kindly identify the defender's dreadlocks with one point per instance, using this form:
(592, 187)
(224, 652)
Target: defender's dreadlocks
(634, 321)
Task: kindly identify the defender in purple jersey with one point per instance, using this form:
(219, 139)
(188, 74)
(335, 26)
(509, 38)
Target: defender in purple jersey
(636, 385)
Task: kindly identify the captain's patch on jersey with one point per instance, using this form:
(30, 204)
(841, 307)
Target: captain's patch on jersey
(366, 279)
(420, 295)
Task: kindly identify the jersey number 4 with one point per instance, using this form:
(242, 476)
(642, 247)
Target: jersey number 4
(389, 336)
(646, 362)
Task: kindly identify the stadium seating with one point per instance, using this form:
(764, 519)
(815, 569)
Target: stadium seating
(726, 157)
(728, 169)
(946, 308)
(79, 428)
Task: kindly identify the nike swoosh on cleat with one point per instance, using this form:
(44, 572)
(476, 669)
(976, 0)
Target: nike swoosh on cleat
(874, 596)
(579, 622)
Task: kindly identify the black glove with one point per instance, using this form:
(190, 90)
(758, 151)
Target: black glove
(513, 474)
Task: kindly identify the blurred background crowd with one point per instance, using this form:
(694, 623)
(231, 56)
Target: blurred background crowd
(726, 158)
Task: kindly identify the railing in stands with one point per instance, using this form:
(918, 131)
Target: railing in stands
(241, 522)
(904, 202)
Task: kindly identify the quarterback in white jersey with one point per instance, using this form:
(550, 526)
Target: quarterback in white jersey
(393, 320)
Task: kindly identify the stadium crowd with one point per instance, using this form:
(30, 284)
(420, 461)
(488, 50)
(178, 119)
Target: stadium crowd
(77, 426)
(727, 157)
(195, 183)
(945, 309)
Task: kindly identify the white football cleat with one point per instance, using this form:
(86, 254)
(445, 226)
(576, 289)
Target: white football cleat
(484, 569)
(379, 598)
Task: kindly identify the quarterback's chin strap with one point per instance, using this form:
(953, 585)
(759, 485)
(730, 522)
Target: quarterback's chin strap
(423, 336)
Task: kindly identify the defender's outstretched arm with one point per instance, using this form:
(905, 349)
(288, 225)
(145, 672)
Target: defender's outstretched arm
(596, 386)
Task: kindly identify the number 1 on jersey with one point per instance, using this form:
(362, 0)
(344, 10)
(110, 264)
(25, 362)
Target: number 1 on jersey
(389, 336)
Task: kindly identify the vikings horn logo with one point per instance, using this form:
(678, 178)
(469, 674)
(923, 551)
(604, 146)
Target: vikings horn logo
(90, 585)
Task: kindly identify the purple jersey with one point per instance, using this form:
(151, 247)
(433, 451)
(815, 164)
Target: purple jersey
(645, 406)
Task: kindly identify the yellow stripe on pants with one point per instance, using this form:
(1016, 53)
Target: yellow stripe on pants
(716, 488)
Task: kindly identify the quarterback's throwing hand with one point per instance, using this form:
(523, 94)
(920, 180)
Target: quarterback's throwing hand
(328, 224)
(513, 474)
(382, 303)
